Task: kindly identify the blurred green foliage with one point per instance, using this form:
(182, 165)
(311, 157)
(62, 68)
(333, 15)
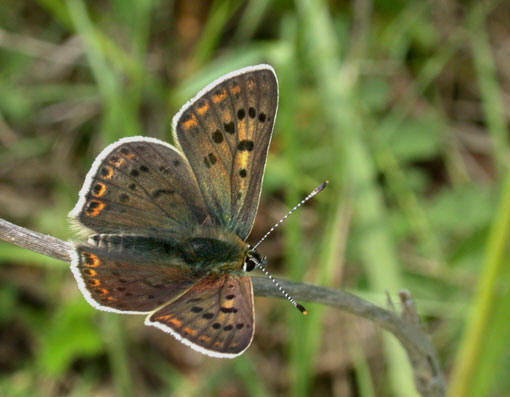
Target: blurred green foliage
(401, 105)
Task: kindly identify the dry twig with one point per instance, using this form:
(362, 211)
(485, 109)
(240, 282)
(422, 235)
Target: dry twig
(406, 327)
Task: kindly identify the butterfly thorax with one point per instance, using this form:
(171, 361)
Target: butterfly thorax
(205, 252)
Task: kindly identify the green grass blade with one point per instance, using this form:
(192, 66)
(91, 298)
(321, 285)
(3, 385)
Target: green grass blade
(485, 342)
(251, 19)
(295, 257)
(363, 378)
(115, 344)
(492, 100)
(119, 119)
(337, 85)
(221, 12)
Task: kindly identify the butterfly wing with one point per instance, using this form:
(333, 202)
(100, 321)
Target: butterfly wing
(120, 280)
(224, 132)
(214, 317)
(140, 185)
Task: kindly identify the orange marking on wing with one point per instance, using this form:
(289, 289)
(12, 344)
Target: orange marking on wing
(175, 322)
(102, 189)
(102, 291)
(94, 282)
(117, 163)
(190, 123)
(217, 344)
(91, 260)
(190, 331)
(130, 155)
(90, 272)
(241, 130)
(220, 96)
(111, 298)
(227, 303)
(165, 317)
(235, 89)
(204, 338)
(203, 109)
(96, 209)
(242, 158)
(109, 172)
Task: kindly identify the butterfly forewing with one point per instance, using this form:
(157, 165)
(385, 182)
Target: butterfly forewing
(260, 105)
(140, 185)
(122, 280)
(225, 133)
(214, 317)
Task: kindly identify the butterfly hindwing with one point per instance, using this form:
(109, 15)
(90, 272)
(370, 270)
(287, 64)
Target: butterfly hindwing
(120, 279)
(224, 133)
(140, 185)
(214, 317)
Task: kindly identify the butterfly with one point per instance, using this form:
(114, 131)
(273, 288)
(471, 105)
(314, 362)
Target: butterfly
(167, 224)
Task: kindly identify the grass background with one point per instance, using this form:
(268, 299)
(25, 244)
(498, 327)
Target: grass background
(402, 105)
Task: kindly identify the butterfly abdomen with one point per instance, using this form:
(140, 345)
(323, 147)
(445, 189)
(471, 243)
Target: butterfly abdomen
(126, 242)
(139, 248)
(200, 254)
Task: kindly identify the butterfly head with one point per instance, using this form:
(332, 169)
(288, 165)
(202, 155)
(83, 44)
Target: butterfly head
(253, 260)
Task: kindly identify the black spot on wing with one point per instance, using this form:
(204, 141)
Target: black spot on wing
(245, 145)
(230, 128)
(217, 136)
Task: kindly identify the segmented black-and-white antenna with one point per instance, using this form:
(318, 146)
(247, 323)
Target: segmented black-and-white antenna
(314, 192)
(262, 264)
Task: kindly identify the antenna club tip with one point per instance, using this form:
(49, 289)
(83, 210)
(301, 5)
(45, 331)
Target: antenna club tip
(302, 309)
(321, 187)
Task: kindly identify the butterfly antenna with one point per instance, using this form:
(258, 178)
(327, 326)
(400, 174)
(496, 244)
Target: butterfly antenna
(314, 192)
(262, 266)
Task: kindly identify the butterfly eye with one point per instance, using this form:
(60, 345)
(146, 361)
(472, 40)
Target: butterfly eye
(252, 260)
(249, 265)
